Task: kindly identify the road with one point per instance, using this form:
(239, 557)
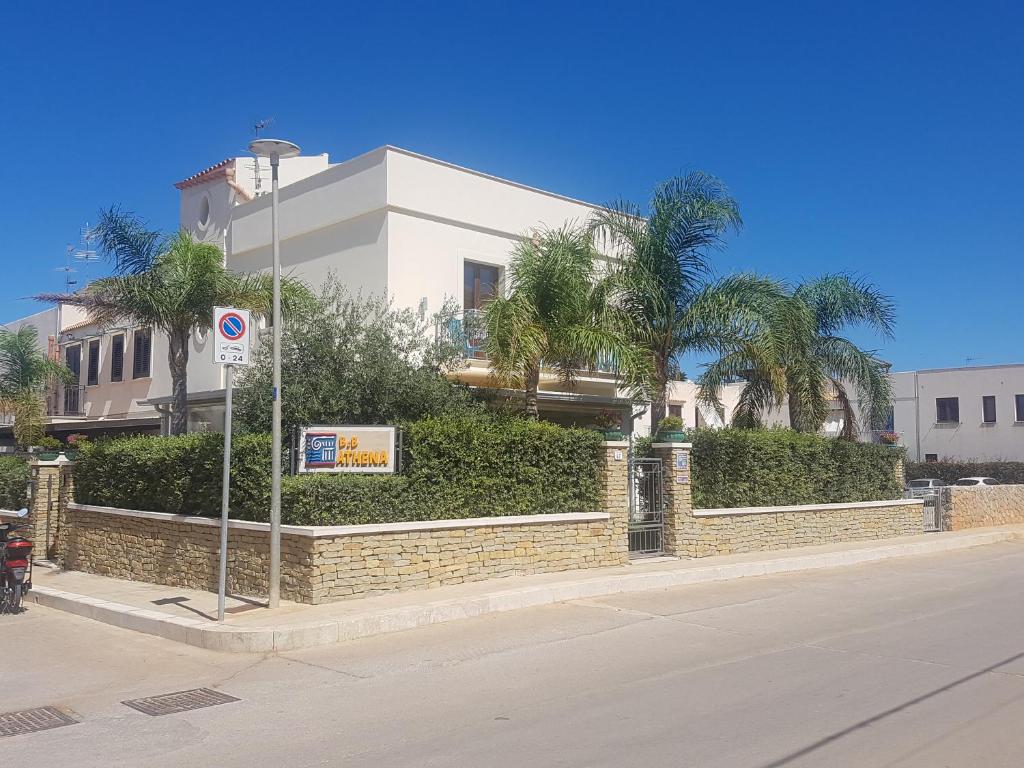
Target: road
(910, 662)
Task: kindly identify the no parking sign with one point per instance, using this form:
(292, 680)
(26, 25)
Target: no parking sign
(231, 329)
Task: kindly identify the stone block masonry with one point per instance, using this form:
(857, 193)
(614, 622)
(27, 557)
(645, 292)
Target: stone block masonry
(753, 529)
(321, 563)
(979, 506)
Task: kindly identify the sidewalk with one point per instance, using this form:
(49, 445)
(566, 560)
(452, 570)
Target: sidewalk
(186, 615)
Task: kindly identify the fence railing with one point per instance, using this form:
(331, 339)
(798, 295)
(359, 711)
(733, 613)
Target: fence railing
(67, 401)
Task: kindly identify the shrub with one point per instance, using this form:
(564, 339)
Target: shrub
(452, 468)
(670, 424)
(14, 478)
(1008, 472)
(750, 468)
(180, 475)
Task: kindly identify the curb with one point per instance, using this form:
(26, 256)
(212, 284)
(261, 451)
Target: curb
(203, 634)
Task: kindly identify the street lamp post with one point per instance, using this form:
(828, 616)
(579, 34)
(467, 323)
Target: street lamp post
(275, 149)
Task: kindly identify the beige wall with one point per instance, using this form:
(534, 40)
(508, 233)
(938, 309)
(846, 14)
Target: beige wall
(981, 506)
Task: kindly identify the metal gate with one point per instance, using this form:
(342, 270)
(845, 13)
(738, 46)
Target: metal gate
(932, 498)
(646, 507)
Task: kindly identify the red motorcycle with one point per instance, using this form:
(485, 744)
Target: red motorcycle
(15, 566)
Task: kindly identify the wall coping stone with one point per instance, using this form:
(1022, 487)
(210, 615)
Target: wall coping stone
(616, 443)
(725, 511)
(328, 531)
(672, 445)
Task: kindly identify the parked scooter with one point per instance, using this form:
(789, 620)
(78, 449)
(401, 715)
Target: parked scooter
(15, 566)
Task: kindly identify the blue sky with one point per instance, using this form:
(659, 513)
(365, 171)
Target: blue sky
(863, 137)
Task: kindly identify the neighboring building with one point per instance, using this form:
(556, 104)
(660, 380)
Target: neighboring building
(961, 413)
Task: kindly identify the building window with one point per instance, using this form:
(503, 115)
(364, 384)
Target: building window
(947, 410)
(117, 358)
(92, 368)
(1018, 401)
(890, 419)
(988, 409)
(931, 458)
(675, 409)
(479, 284)
(73, 360)
(143, 353)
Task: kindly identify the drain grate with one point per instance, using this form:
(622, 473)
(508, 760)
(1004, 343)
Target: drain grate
(32, 720)
(181, 701)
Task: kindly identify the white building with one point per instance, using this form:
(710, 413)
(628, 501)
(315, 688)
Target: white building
(389, 222)
(961, 413)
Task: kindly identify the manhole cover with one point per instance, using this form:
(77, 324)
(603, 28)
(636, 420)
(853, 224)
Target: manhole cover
(182, 701)
(32, 720)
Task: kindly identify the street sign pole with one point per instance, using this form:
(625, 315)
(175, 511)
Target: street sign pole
(225, 493)
(231, 335)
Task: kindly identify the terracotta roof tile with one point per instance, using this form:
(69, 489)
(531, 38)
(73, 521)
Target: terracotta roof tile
(204, 175)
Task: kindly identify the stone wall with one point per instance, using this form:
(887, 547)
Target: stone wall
(731, 531)
(978, 506)
(320, 563)
(180, 551)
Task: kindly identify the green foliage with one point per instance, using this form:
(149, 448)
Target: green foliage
(663, 274)
(558, 310)
(179, 475)
(172, 284)
(25, 374)
(751, 468)
(453, 468)
(49, 443)
(1007, 472)
(795, 354)
(14, 478)
(670, 424)
(352, 361)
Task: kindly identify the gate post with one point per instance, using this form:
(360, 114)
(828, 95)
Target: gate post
(50, 492)
(615, 495)
(675, 468)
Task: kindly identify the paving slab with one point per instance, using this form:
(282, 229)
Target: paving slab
(187, 616)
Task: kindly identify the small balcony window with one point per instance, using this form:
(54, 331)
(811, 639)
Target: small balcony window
(988, 409)
(92, 370)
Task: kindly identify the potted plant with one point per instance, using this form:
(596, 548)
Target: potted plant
(610, 425)
(889, 438)
(49, 447)
(670, 430)
(75, 442)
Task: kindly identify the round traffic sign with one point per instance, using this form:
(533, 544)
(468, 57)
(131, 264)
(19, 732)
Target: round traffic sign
(232, 326)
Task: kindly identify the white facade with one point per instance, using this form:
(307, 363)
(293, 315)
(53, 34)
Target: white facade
(931, 430)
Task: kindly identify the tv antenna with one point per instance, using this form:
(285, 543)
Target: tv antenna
(67, 269)
(969, 360)
(259, 125)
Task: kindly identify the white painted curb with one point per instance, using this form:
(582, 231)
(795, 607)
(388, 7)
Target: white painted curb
(204, 634)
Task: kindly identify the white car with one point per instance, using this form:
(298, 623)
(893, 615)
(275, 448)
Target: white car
(977, 481)
(925, 484)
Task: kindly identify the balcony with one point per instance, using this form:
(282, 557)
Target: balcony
(467, 332)
(67, 400)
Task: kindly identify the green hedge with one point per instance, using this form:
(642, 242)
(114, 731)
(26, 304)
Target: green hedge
(452, 468)
(1007, 472)
(752, 468)
(179, 475)
(14, 478)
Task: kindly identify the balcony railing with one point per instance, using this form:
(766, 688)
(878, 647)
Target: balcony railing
(68, 400)
(467, 332)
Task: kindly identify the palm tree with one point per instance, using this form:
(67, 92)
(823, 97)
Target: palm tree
(664, 274)
(171, 284)
(25, 375)
(557, 312)
(811, 362)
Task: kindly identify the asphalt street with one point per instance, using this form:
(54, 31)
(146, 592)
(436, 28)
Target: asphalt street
(910, 662)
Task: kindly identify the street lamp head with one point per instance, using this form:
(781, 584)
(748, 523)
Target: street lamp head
(273, 147)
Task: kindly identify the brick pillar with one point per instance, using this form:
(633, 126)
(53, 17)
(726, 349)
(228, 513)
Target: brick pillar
(614, 477)
(49, 500)
(675, 468)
